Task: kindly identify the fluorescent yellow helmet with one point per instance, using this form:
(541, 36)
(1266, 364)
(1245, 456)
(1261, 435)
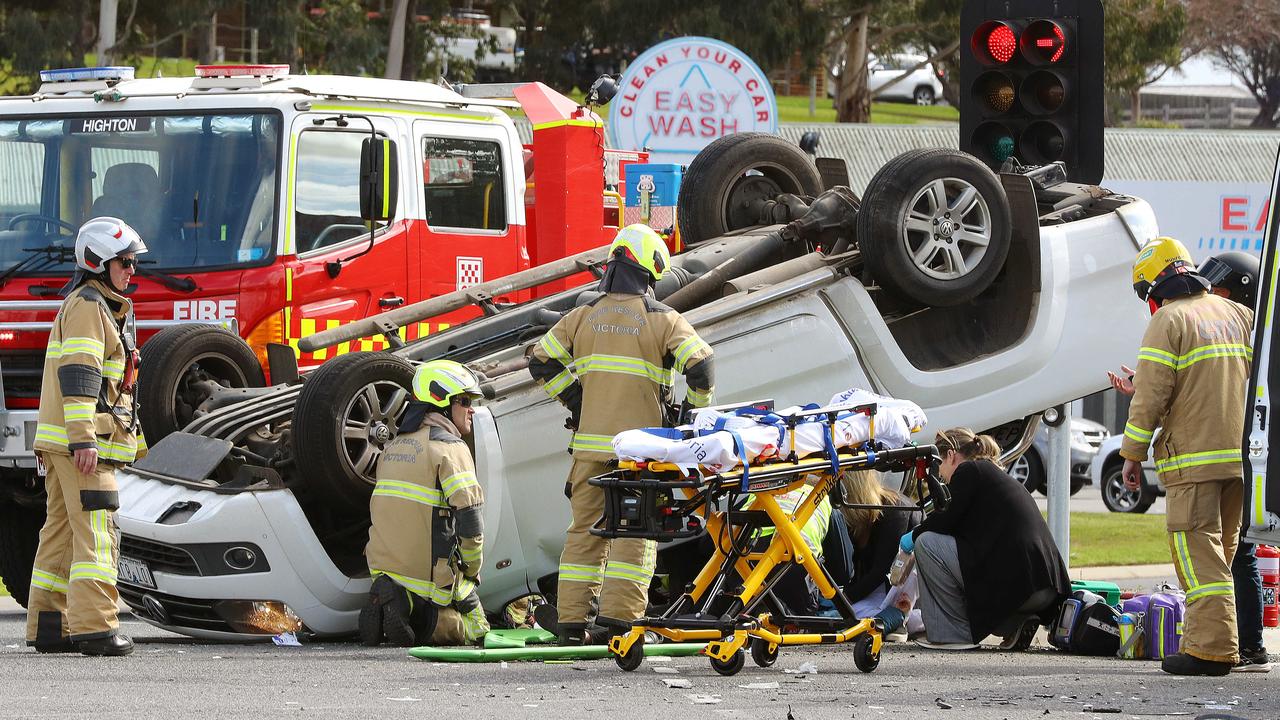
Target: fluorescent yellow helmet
(1159, 260)
(644, 246)
(439, 381)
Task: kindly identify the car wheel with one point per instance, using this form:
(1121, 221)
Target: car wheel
(347, 412)
(729, 179)
(1029, 471)
(182, 366)
(934, 227)
(924, 95)
(19, 538)
(1120, 499)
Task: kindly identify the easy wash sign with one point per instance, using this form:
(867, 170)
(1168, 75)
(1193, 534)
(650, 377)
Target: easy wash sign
(681, 94)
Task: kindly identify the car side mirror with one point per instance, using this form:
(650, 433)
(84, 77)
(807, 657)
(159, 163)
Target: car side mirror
(379, 179)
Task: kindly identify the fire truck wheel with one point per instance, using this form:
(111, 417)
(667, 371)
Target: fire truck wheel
(348, 410)
(729, 179)
(934, 227)
(19, 537)
(182, 366)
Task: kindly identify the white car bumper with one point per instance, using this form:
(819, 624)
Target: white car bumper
(197, 592)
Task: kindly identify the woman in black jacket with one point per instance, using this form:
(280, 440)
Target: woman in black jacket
(987, 562)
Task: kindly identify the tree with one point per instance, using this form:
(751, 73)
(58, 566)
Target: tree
(1244, 36)
(1144, 40)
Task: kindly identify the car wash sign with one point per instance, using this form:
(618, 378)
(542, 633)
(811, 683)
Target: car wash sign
(681, 94)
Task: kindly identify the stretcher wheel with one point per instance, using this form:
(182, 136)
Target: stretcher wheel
(633, 657)
(761, 655)
(730, 667)
(863, 656)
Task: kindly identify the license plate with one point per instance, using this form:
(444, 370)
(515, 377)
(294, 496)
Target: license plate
(136, 572)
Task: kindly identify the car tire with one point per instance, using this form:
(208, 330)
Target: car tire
(721, 188)
(19, 538)
(924, 95)
(908, 236)
(1118, 499)
(1029, 470)
(176, 369)
(347, 411)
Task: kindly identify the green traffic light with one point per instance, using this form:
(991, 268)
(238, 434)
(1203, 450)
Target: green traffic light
(1002, 148)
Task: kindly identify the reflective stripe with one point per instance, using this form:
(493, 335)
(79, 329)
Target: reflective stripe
(580, 573)
(699, 399)
(474, 624)
(117, 451)
(471, 555)
(410, 491)
(686, 349)
(1137, 434)
(555, 350)
(1182, 554)
(75, 410)
(592, 443)
(627, 571)
(557, 384)
(458, 482)
(1209, 590)
(48, 581)
(74, 346)
(51, 433)
(113, 369)
(1190, 460)
(103, 538)
(623, 365)
(94, 572)
(1259, 492)
(425, 588)
(1156, 355)
(1195, 355)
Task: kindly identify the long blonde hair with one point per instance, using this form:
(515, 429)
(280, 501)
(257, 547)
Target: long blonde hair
(863, 487)
(965, 442)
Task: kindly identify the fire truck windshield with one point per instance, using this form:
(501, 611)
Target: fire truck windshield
(200, 189)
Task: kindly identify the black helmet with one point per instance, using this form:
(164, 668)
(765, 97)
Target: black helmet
(1236, 272)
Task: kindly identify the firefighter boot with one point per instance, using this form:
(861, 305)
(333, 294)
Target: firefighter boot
(371, 618)
(115, 645)
(397, 607)
(424, 619)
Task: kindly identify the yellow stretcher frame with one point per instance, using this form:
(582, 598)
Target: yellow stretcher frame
(787, 546)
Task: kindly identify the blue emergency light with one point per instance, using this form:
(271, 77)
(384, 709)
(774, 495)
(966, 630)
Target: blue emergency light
(109, 72)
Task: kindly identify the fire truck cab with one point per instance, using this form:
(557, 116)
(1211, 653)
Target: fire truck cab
(275, 206)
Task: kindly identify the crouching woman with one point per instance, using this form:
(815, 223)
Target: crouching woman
(987, 563)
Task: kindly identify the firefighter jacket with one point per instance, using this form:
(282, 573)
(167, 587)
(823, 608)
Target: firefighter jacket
(1193, 368)
(427, 532)
(83, 399)
(612, 363)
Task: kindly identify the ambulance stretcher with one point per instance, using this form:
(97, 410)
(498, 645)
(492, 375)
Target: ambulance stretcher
(730, 604)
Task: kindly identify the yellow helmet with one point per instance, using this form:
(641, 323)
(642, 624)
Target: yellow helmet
(1159, 260)
(437, 382)
(644, 246)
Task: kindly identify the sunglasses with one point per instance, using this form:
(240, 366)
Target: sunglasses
(464, 401)
(128, 263)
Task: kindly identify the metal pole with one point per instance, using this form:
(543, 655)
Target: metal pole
(1058, 469)
(813, 95)
(253, 46)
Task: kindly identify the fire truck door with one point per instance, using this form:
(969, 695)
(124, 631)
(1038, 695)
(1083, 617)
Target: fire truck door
(339, 275)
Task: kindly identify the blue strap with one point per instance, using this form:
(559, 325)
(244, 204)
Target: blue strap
(741, 449)
(829, 447)
(668, 433)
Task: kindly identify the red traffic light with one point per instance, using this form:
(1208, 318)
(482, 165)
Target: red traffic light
(994, 42)
(1044, 42)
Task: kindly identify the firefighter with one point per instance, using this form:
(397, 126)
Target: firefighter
(426, 538)
(87, 428)
(611, 362)
(1192, 365)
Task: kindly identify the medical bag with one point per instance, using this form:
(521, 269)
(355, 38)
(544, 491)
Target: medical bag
(1086, 625)
(1154, 625)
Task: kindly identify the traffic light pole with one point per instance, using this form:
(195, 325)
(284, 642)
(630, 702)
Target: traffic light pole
(1058, 483)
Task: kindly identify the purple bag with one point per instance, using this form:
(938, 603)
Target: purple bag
(1160, 622)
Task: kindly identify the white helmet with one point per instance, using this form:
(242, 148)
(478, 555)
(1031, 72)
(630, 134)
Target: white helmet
(103, 238)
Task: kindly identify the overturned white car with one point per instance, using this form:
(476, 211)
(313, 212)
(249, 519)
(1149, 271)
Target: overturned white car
(976, 296)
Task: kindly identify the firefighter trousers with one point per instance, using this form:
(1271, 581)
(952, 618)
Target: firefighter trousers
(616, 571)
(73, 581)
(1203, 520)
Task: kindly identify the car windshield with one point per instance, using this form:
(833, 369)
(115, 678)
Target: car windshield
(199, 189)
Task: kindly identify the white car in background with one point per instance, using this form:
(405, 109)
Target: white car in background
(1105, 471)
(923, 86)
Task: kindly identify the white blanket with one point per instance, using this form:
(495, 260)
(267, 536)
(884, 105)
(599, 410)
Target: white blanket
(715, 450)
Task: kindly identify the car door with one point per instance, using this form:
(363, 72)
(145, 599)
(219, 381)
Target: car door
(1261, 467)
(879, 72)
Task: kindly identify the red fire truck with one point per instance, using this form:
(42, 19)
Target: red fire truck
(273, 205)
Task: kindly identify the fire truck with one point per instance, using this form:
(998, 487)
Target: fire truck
(273, 206)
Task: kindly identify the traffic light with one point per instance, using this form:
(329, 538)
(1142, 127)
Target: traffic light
(1031, 83)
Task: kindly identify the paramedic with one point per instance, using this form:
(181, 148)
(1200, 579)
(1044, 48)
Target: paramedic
(875, 535)
(611, 363)
(1192, 365)
(87, 428)
(986, 563)
(426, 540)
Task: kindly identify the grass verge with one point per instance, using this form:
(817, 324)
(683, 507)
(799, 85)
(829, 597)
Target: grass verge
(1117, 539)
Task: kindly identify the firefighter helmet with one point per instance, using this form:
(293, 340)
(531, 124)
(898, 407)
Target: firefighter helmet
(102, 239)
(640, 244)
(1236, 272)
(439, 381)
(1159, 260)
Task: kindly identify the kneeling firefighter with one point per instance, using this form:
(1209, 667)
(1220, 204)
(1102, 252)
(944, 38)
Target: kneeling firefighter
(87, 428)
(611, 363)
(426, 539)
